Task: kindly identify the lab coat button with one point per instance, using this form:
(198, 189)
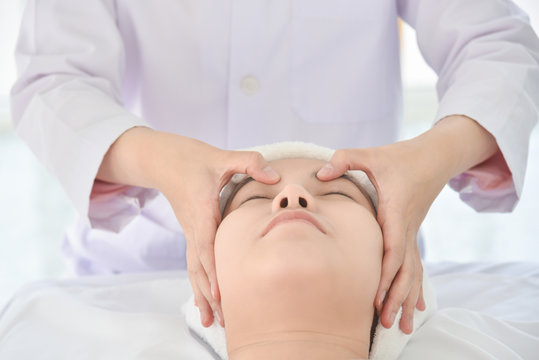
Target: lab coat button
(249, 85)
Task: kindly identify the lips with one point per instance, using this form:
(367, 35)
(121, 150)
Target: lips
(291, 216)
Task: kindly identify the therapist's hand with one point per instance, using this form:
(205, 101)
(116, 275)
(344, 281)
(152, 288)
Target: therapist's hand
(407, 184)
(199, 173)
(190, 174)
(408, 175)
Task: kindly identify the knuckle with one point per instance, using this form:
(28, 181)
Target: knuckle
(387, 284)
(192, 276)
(205, 248)
(406, 316)
(407, 272)
(410, 301)
(390, 271)
(395, 250)
(207, 265)
(396, 299)
(408, 308)
(254, 157)
(399, 247)
(199, 299)
(194, 271)
(392, 257)
(339, 155)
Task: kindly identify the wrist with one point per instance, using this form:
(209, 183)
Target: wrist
(128, 160)
(458, 143)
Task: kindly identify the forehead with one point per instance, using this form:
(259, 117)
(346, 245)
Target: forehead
(296, 166)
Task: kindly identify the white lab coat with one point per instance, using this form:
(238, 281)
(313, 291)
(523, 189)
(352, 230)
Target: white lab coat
(247, 72)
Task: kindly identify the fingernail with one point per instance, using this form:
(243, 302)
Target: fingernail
(382, 297)
(270, 172)
(392, 317)
(421, 306)
(218, 316)
(214, 291)
(325, 170)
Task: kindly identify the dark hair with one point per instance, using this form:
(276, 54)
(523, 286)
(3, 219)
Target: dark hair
(373, 328)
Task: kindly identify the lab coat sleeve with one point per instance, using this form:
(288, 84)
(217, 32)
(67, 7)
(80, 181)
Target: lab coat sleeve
(67, 104)
(486, 56)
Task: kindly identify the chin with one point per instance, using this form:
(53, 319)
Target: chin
(287, 271)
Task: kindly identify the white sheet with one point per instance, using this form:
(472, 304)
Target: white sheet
(486, 311)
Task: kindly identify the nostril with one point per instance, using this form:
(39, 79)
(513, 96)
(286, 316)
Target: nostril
(302, 202)
(284, 203)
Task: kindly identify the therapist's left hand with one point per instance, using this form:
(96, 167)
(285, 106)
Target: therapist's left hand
(407, 179)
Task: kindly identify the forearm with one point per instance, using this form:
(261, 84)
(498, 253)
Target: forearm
(153, 159)
(127, 160)
(458, 144)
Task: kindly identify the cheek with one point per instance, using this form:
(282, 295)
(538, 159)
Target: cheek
(233, 241)
(360, 242)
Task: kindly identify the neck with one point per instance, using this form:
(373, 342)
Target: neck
(301, 345)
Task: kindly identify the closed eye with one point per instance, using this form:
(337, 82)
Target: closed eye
(338, 193)
(255, 197)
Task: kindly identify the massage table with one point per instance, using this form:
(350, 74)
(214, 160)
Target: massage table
(485, 311)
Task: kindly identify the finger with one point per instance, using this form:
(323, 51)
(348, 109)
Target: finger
(344, 160)
(394, 250)
(397, 294)
(421, 305)
(207, 279)
(206, 315)
(207, 304)
(401, 285)
(407, 319)
(199, 284)
(251, 163)
(205, 241)
(337, 165)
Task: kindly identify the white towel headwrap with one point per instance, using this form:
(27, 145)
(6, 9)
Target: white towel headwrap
(387, 343)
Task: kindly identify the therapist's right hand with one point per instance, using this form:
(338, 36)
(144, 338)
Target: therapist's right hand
(191, 175)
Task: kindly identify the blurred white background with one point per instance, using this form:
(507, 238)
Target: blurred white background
(34, 210)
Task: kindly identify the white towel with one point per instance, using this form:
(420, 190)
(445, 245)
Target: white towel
(387, 343)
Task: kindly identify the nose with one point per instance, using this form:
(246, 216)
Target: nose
(293, 196)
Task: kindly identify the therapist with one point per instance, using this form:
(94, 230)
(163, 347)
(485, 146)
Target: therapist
(132, 105)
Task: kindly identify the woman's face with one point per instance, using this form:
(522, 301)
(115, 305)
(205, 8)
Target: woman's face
(316, 268)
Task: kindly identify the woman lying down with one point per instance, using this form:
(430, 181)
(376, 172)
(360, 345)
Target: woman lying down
(298, 262)
(298, 265)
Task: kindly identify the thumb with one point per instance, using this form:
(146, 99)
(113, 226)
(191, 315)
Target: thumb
(344, 160)
(340, 162)
(253, 164)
